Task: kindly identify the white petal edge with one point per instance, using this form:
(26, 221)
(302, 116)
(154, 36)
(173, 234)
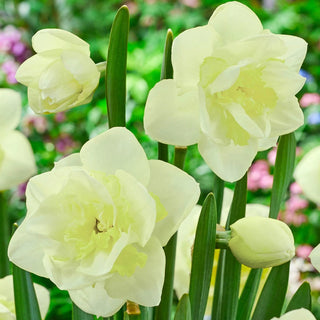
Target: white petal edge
(115, 149)
(229, 162)
(172, 117)
(315, 257)
(145, 285)
(18, 163)
(10, 109)
(95, 300)
(235, 21)
(178, 193)
(298, 314)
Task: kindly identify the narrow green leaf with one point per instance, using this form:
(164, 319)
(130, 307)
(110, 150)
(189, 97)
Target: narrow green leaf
(272, 297)
(166, 73)
(248, 294)
(283, 171)
(26, 303)
(146, 313)
(301, 298)
(78, 314)
(218, 188)
(4, 236)
(163, 310)
(202, 258)
(183, 311)
(131, 316)
(230, 282)
(116, 69)
(120, 314)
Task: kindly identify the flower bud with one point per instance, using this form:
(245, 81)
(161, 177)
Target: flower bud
(259, 242)
(61, 75)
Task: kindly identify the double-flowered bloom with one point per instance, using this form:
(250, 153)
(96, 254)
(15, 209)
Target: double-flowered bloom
(233, 90)
(97, 222)
(17, 162)
(61, 75)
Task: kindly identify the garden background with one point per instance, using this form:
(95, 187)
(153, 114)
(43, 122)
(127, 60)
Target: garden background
(55, 136)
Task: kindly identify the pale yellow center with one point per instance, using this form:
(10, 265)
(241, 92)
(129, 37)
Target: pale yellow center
(249, 91)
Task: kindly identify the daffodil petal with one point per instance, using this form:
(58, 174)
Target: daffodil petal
(95, 300)
(10, 109)
(286, 117)
(15, 169)
(307, 174)
(229, 162)
(171, 116)
(50, 39)
(73, 160)
(178, 193)
(296, 51)
(235, 21)
(315, 257)
(145, 285)
(189, 49)
(297, 314)
(116, 149)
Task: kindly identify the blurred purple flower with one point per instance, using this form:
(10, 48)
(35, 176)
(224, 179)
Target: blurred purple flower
(60, 117)
(303, 251)
(65, 144)
(21, 190)
(38, 123)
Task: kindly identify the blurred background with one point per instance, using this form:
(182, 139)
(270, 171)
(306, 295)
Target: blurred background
(55, 136)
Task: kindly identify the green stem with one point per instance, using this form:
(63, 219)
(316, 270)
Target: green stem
(218, 188)
(4, 237)
(163, 311)
(222, 239)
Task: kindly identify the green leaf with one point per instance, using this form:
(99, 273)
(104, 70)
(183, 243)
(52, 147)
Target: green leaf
(301, 299)
(273, 294)
(202, 258)
(116, 70)
(218, 189)
(183, 311)
(78, 314)
(228, 287)
(146, 313)
(248, 294)
(283, 171)
(4, 236)
(166, 73)
(26, 303)
(131, 316)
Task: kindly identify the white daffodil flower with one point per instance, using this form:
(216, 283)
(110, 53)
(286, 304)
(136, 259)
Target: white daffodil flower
(7, 306)
(17, 162)
(97, 222)
(233, 90)
(299, 314)
(61, 75)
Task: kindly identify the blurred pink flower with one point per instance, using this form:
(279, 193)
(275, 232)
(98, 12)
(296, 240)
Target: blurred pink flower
(303, 251)
(38, 123)
(295, 188)
(309, 99)
(190, 3)
(65, 144)
(10, 67)
(60, 117)
(272, 156)
(259, 176)
(295, 203)
(21, 190)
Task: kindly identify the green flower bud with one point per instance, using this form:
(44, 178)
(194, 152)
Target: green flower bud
(259, 242)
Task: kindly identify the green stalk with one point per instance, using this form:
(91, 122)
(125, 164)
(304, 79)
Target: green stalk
(166, 73)
(202, 258)
(4, 236)
(218, 188)
(116, 69)
(183, 311)
(163, 311)
(78, 314)
(283, 171)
